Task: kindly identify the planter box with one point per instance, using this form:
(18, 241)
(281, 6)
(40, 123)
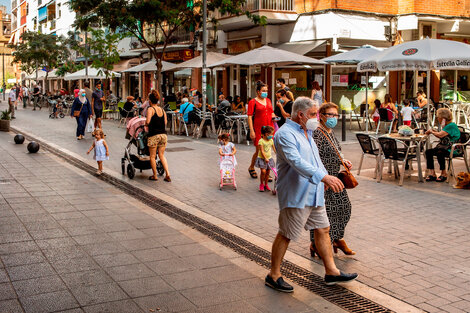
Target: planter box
(5, 125)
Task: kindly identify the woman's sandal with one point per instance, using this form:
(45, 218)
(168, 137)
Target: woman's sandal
(431, 178)
(441, 179)
(167, 179)
(252, 173)
(153, 178)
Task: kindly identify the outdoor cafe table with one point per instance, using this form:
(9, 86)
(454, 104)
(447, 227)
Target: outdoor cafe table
(238, 119)
(173, 120)
(409, 140)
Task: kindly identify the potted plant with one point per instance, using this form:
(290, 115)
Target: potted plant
(5, 121)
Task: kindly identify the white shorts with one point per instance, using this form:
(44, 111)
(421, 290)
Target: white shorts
(292, 220)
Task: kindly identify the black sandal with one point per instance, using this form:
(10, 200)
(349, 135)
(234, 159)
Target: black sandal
(252, 173)
(441, 179)
(153, 178)
(431, 178)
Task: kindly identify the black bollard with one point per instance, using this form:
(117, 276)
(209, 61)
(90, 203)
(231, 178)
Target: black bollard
(343, 125)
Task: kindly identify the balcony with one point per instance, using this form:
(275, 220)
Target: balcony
(269, 5)
(23, 20)
(275, 11)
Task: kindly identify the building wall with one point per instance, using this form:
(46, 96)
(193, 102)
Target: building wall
(450, 7)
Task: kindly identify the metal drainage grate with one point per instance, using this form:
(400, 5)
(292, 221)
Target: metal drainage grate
(178, 149)
(337, 295)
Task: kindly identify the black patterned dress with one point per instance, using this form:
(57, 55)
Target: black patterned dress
(338, 206)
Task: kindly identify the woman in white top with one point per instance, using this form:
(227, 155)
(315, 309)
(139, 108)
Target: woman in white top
(317, 93)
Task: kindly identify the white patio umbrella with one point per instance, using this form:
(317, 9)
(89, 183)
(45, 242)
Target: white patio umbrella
(353, 57)
(211, 58)
(267, 56)
(150, 66)
(420, 55)
(93, 73)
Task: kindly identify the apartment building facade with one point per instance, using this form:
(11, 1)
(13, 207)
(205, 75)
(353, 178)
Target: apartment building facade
(6, 69)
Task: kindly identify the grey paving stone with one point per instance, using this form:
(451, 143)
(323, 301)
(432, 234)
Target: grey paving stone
(145, 286)
(67, 215)
(154, 254)
(23, 258)
(49, 302)
(171, 266)
(166, 302)
(130, 271)
(188, 280)
(33, 226)
(104, 248)
(239, 307)
(250, 288)
(189, 250)
(30, 271)
(110, 260)
(140, 244)
(3, 276)
(86, 278)
(11, 306)
(55, 243)
(74, 265)
(227, 273)
(35, 286)
(14, 237)
(7, 292)
(218, 295)
(94, 294)
(78, 230)
(128, 235)
(123, 306)
(164, 231)
(48, 233)
(207, 261)
(93, 238)
(279, 302)
(116, 227)
(64, 253)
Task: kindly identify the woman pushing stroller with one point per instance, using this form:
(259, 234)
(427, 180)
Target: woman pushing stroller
(157, 138)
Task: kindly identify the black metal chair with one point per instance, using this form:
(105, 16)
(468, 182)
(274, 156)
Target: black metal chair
(369, 147)
(384, 117)
(391, 151)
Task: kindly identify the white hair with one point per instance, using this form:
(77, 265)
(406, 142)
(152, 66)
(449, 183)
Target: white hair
(184, 100)
(302, 104)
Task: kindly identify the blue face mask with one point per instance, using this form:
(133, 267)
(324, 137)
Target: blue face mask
(331, 122)
(281, 101)
(264, 95)
(269, 137)
(83, 94)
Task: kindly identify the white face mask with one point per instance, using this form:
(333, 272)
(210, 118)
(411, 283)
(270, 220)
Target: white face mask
(278, 85)
(312, 124)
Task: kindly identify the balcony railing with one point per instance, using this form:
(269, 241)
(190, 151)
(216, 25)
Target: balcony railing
(269, 5)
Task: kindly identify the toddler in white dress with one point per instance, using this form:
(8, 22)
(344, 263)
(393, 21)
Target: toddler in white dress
(101, 149)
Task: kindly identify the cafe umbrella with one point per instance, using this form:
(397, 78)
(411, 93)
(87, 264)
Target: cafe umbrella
(353, 57)
(267, 56)
(420, 55)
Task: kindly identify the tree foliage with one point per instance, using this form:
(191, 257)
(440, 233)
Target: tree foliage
(153, 22)
(40, 51)
(68, 67)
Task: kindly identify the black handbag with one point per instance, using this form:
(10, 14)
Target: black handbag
(444, 143)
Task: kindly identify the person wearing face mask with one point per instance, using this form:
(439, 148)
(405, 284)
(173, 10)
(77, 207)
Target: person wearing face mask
(260, 113)
(97, 100)
(449, 135)
(338, 206)
(302, 179)
(283, 106)
(81, 110)
(281, 83)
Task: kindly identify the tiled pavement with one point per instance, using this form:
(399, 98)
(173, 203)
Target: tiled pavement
(71, 243)
(410, 241)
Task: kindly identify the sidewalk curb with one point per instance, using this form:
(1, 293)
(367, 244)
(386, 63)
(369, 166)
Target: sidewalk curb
(357, 287)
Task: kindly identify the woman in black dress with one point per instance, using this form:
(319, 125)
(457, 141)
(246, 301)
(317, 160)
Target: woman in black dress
(338, 206)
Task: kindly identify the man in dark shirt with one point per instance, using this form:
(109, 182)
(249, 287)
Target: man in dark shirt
(224, 105)
(36, 92)
(97, 100)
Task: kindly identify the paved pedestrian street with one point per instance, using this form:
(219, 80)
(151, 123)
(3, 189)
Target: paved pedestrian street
(411, 241)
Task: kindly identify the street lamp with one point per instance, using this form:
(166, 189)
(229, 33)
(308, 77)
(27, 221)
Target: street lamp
(3, 72)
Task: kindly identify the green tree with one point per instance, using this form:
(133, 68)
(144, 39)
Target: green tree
(153, 22)
(101, 48)
(38, 50)
(68, 67)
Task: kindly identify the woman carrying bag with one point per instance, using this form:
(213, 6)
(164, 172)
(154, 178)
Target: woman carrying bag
(81, 110)
(338, 206)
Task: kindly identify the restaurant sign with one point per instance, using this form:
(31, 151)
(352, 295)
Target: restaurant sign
(179, 55)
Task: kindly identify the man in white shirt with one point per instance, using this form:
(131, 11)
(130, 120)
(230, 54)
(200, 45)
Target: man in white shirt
(25, 96)
(12, 101)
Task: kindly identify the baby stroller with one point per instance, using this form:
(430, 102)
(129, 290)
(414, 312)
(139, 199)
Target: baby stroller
(138, 138)
(227, 172)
